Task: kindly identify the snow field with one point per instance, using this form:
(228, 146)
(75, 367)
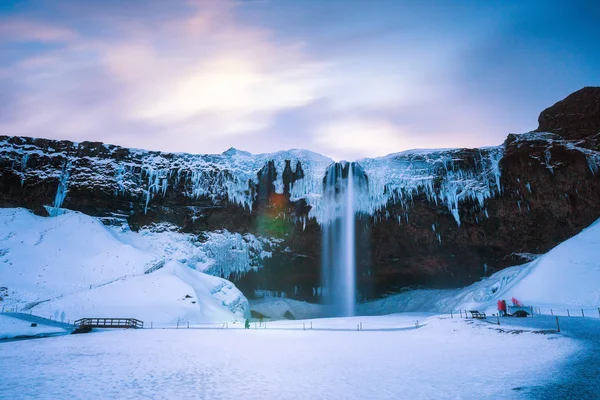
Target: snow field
(445, 359)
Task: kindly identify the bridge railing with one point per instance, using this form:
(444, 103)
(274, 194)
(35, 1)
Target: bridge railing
(110, 322)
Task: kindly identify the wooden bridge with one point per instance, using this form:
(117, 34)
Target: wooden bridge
(110, 323)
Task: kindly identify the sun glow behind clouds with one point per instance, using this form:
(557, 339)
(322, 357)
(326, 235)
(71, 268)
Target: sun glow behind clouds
(362, 138)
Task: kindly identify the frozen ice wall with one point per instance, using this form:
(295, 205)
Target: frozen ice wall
(447, 177)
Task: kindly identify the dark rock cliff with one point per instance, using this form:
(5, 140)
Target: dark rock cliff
(433, 219)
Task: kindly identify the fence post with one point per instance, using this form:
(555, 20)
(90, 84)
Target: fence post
(582, 314)
(357, 328)
(498, 317)
(361, 326)
(551, 312)
(188, 324)
(451, 315)
(568, 313)
(557, 325)
(460, 313)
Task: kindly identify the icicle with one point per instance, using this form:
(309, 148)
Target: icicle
(62, 189)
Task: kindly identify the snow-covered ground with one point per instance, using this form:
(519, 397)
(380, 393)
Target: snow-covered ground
(444, 359)
(11, 327)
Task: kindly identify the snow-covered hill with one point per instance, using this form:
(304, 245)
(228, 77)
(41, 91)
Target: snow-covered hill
(72, 266)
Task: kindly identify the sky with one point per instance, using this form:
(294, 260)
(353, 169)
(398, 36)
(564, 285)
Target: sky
(344, 78)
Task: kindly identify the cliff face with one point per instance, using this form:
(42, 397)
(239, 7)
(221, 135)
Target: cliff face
(427, 218)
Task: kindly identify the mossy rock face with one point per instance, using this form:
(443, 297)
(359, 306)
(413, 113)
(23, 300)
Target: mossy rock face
(288, 315)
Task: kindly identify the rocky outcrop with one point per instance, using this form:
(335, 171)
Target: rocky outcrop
(575, 117)
(427, 218)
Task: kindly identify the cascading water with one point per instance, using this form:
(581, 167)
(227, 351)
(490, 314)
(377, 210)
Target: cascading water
(345, 184)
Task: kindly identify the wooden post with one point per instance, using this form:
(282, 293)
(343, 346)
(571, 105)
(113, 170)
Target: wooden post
(582, 314)
(451, 315)
(568, 313)
(460, 313)
(311, 325)
(361, 326)
(557, 325)
(498, 317)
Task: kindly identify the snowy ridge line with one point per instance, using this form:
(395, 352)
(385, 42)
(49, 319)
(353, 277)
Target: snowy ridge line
(447, 177)
(593, 157)
(231, 176)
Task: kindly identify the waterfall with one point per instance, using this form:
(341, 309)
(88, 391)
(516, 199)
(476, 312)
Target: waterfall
(344, 185)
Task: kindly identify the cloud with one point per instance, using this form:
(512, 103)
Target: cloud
(18, 30)
(202, 76)
(187, 78)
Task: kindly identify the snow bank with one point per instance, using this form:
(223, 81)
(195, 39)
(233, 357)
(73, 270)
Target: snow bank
(16, 328)
(73, 264)
(283, 308)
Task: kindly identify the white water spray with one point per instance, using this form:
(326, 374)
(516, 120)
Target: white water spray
(349, 265)
(339, 239)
